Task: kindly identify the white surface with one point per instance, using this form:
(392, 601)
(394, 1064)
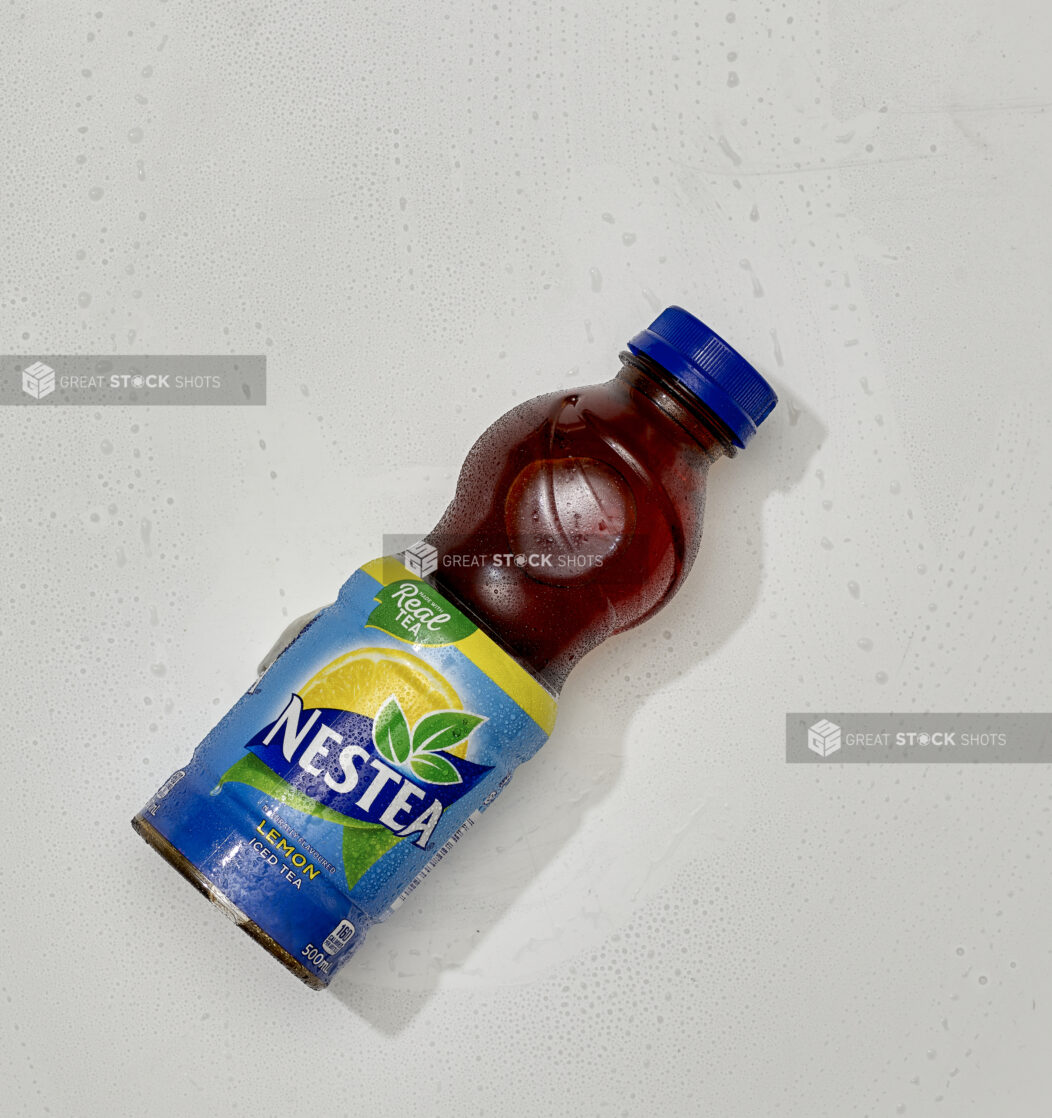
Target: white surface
(423, 214)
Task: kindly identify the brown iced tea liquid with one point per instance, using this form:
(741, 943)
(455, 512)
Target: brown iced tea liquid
(577, 515)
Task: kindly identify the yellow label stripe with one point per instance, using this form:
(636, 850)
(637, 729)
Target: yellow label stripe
(485, 654)
(386, 569)
(512, 679)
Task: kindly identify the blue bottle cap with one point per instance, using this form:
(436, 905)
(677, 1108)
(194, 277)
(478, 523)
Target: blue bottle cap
(703, 363)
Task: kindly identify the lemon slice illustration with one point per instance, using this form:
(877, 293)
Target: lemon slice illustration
(363, 680)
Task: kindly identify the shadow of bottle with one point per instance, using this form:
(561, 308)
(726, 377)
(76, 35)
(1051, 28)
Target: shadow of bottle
(398, 969)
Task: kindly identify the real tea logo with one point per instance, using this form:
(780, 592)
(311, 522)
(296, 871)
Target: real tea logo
(411, 611)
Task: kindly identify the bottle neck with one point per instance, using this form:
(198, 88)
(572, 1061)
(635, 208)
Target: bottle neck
(646, 376)
(550, 681)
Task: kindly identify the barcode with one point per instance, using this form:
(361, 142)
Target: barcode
(468, 823)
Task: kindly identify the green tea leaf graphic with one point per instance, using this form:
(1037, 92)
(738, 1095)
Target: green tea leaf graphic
(443, 730)
(391, 733)
(433, 769)
(363, 847)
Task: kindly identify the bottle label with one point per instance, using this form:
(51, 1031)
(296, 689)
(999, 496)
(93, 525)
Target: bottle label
(338, 781)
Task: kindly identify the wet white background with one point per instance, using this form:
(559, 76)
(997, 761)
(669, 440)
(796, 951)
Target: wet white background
(423, 214)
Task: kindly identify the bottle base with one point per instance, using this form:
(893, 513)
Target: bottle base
(202, 884)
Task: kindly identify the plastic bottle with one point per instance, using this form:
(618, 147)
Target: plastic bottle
(392, 718)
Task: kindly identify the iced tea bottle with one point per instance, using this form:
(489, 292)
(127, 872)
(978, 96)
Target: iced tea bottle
(392, 719)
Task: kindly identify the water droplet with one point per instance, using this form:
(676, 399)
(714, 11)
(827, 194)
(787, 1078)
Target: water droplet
(757, 288)
(597, 279)
(729, 152)
(95, 193)
(84, 299)
(865, 644)
(732, 79)
(854, 590)
(135, 136)
(628, 238)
